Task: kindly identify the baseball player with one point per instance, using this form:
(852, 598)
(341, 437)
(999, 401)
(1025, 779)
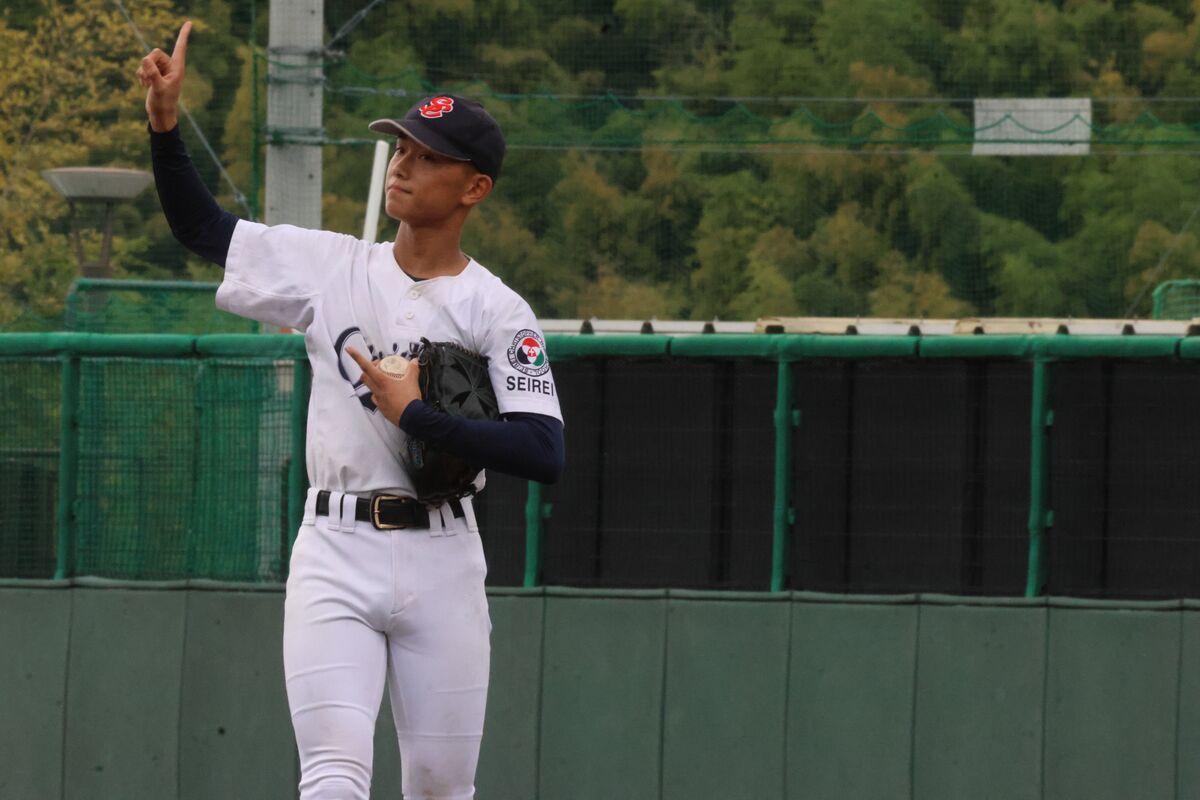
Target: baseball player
(382, 587)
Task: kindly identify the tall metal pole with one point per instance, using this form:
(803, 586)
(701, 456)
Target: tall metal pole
(255, 130)
(295, 86)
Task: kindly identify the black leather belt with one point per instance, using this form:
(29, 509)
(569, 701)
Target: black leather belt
(387, 512)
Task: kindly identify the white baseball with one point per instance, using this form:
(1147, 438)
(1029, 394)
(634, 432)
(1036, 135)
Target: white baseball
(395, 366)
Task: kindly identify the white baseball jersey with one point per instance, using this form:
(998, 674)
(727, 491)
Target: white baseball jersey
(342, 291)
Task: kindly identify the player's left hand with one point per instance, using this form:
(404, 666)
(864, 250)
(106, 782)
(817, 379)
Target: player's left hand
(390, 395)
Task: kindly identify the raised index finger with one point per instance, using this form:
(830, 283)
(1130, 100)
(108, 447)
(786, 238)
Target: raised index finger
(368, 367)
(179, 54)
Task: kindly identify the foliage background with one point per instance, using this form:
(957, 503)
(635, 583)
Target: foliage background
(669, 158)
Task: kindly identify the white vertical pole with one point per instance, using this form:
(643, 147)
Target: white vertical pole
(295, 93)
(375, 193)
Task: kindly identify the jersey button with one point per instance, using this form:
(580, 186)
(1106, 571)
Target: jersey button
(414, 294)
(408, 315)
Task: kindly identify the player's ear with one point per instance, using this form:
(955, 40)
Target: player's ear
(478, 188)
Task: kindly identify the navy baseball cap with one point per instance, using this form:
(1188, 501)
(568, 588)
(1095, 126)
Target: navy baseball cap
(453, 126)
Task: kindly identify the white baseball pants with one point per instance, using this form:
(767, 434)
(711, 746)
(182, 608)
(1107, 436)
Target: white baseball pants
(409, 605)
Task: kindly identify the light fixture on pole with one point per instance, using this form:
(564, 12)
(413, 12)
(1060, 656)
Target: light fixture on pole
(107, 185)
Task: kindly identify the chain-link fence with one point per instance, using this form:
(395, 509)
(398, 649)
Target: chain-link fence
(860, 464)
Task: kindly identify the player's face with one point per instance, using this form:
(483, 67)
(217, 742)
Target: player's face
(424, 187)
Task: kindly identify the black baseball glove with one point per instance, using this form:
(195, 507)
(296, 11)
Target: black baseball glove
(453, 381)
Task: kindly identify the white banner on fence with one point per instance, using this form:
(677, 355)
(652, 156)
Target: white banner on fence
(1025, 126)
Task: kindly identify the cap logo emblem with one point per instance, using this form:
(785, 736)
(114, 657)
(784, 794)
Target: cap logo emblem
(437, 106)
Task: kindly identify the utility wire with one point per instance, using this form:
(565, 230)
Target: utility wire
(237, 193)
(939, 120)
(414, 72)
(777, 148)
(350, 25)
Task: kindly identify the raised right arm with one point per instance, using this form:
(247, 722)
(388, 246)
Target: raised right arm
(194, 216)
(197, 221)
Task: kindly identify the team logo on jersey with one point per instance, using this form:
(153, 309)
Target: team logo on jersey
(346, 366)
(437, 106)
(528, 353)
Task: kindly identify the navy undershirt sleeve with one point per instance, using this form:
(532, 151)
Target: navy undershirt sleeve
(529, 446)
(197, 221)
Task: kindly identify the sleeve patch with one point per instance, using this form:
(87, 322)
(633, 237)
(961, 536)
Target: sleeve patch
(527, 353)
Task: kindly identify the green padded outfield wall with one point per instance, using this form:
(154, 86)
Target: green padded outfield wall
(953, 754)
(849, 700)
(124, 673)
(148, 691)
(734, 655)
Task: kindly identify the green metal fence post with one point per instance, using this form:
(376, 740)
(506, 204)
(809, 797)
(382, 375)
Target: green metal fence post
(783, 476)
(533, 534)
(1041, 417)
(68, 466)
(195, 519)
(297, 488)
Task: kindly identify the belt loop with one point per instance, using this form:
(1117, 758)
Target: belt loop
(346, 521)
(310, 507)
(436, 526)
(335, 511)
(468, 508)
(446, 513)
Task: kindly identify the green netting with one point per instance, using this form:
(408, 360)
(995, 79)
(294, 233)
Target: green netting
(29, 463)
(183, 468)
(174, 467)
(1177, 300)
(117, 306)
